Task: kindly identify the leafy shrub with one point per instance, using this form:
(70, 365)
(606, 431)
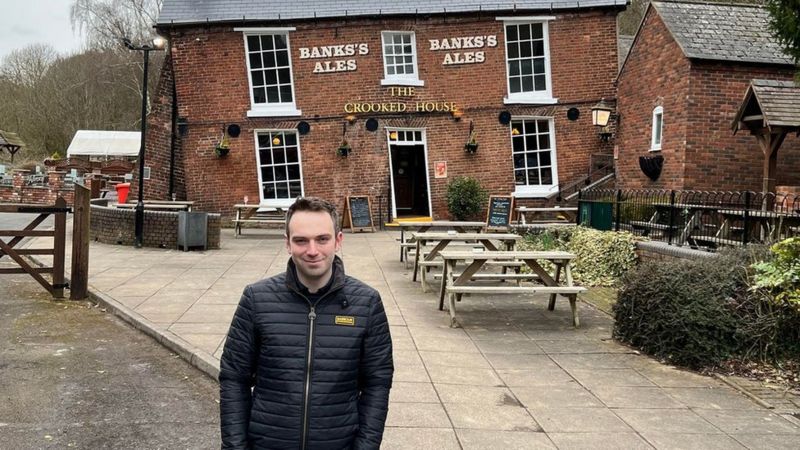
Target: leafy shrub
(681, 310)
(697, 313)
(602, 257)
(781, 275)
(465, 198)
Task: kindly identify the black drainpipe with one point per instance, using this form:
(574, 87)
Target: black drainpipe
(172, 141)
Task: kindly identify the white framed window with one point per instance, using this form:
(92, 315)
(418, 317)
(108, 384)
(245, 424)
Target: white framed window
(269, 68)
(280, 174)
(658, 127)
(400, 59)
(534, 156)
(528, 61)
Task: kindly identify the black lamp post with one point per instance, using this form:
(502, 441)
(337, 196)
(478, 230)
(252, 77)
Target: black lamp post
(158, 44)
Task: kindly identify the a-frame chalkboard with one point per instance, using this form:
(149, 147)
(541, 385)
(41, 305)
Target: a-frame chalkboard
(357, 214)
(498, 217)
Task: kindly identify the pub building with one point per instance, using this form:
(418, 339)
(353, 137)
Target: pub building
(389, 100)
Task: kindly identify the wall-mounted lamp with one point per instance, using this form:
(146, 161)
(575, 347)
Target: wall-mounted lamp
(601, 113)
(350, 118)
(276, 141)
(515, 131)
(457, 114)
(393, 135)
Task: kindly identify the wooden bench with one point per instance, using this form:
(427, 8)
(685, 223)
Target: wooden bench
(246, 213)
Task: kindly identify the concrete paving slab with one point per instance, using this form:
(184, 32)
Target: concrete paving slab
(599, 441)
(395, 438)
(450, 359)
(544, 375)
(460, 375)
(482, 417)
(507, 440)
(508, 345)
(579, 420)
(418, 415)
(682, 441)
(515, 361)
(767, 441)
(635, 397)
(407, 392)
(711, 398)
(565, 395)
(667, 421)
(483, 395)
(610, 377)
(749, 421)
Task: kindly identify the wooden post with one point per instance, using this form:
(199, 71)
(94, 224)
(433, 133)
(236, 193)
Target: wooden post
(79, 283)
(59, 243)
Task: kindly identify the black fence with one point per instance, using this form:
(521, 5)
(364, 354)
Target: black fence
(699, 219)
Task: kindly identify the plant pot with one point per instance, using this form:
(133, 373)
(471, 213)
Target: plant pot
(221, 151)
(471, 147)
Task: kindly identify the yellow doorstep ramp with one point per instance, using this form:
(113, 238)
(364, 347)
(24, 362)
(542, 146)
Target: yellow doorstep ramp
(409, 219)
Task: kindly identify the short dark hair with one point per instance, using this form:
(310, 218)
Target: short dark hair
(314, 204)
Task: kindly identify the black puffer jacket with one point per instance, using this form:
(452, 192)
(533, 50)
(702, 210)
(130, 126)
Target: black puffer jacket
(347, 380)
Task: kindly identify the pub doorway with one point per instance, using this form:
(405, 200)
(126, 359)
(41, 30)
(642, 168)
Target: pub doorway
(408, 166)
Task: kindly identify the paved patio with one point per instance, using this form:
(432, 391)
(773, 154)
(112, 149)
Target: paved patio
(515, 376)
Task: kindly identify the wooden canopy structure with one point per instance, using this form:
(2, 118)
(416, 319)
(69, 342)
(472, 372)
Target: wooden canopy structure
(770, 111)
(11, 142)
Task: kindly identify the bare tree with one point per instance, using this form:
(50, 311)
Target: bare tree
(106, 22)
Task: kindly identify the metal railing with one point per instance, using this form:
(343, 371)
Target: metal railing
(700, 219)
(601, 166)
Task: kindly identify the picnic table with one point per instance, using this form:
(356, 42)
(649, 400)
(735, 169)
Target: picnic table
(569, 213)
(454, 285)
(694, 212)
(422, 226)
(422, 261)
(770, 223)
(256, 213)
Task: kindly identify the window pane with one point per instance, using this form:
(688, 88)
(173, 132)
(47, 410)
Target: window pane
(266, 42)
(409, 69)
(258, 78)
(269, 59)
(278, 156)
(544, 126)
(282, 190)
(537, 31)
(263, 141)
(269, 190)
(295, 189)
(286, 93)
(291, 139)
(280, 41)
(516, 85)
(526, 67)
(519, 177)
(271, 77)
(513, 50)
(538, 65)
(272, 94)
(266, 155)
(527, 84)
(518, 143)
(293, 171)
(253, 43)
(255, 61)
(283, 58)
(390, 70)
(544, 141)
(513, 68)
(259, 95)
(418, 136)
(533, 176)
(280, 173)
(539, 83)
(532, 160)
(530, 143)
(547, 176)
(266, 174)
(519, 160)
(511, 32)
(524, 32)
(544, 158)
(525, 49)
(538, 48)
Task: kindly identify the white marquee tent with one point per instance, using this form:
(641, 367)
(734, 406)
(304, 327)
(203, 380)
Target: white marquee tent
(94, 143)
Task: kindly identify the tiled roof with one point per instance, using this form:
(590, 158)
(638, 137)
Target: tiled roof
(201, 11)
(8, 138)
(779, 101)
(722, 32)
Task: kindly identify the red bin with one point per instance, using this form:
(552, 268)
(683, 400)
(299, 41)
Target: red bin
(122, 192)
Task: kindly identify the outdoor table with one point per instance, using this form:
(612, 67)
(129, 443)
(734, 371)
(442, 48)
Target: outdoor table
(694, 211)
(454, 286)
(249, 213)
(770, 222)
(444, 239)
(423, 226)
(569, 213)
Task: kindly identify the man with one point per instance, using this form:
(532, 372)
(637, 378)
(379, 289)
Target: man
(308, 359)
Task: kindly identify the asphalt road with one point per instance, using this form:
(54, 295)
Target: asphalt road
(73, 376)
(9, 221)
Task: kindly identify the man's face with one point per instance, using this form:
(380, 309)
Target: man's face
(312, 243)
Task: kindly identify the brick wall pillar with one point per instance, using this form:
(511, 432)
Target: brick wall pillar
(55, 180)
(18, 182)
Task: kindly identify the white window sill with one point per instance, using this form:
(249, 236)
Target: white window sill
(402, 82)
(276, 203)
(539, 192)
(274, 112)
(655, 149)
(527, 100)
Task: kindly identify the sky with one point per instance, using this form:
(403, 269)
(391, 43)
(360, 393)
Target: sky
(26, 22)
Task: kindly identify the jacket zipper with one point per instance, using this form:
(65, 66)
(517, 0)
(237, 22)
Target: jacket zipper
(312, 316)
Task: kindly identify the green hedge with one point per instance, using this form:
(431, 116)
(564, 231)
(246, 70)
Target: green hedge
(602, 257)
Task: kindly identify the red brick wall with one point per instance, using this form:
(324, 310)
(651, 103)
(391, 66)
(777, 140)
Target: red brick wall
(655, 74)
(213, 90)
(715, 158)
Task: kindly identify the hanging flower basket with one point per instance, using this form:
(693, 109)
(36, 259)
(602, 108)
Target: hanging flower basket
(221, 150)
(472, 144)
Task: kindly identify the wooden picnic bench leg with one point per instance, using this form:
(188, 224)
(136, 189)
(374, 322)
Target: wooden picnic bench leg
(416, 259)
(573, 298)
(452, 310)
(402, 247)
(552, 305)
(446, 275)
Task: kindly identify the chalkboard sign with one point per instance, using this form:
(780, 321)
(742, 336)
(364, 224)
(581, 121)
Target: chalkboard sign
(357, 215)
(499, 214)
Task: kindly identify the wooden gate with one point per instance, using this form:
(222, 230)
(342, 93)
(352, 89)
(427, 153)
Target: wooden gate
(59, 211)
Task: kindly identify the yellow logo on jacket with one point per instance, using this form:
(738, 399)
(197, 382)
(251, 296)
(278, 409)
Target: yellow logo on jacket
(346, 320)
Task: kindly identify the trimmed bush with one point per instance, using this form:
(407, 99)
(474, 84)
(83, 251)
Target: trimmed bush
(465, 198)
(602, 257)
